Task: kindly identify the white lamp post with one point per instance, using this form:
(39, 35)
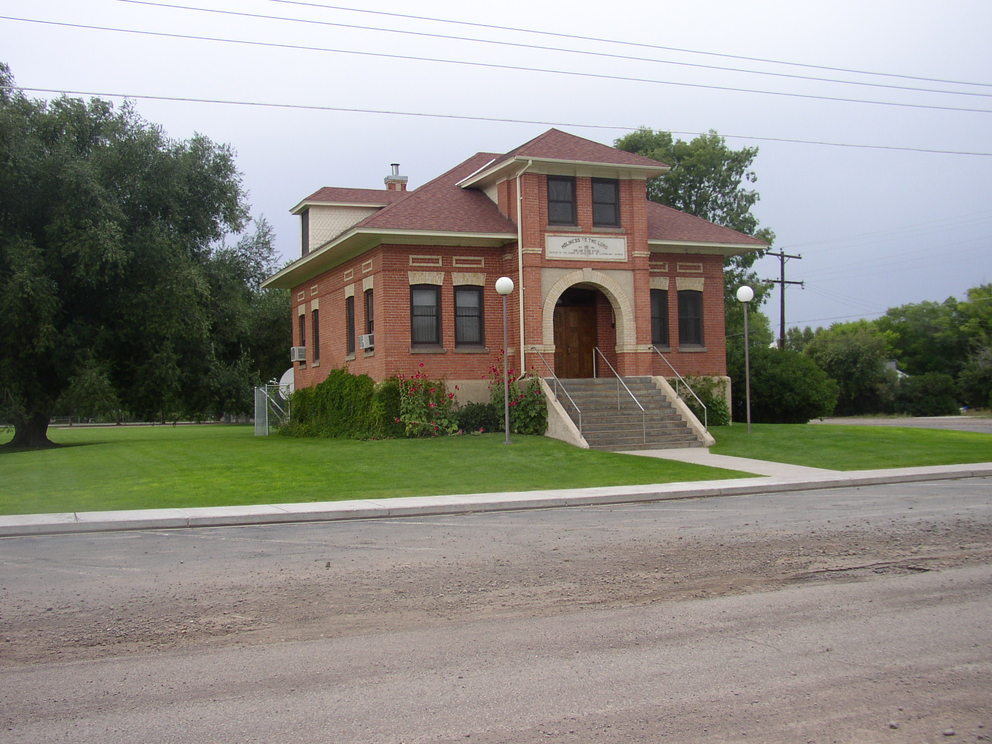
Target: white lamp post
(504, 286)
(744, 295)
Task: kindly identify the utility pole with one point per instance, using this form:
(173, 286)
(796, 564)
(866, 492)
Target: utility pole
(781, 282)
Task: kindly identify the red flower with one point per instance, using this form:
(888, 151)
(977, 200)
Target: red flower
(421, 364)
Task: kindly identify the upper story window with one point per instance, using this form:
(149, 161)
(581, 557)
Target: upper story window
(305, 231)
(605, 202)
(561, 200)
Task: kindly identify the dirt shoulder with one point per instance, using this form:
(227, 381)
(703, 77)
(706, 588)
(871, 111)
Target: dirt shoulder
(558, 573)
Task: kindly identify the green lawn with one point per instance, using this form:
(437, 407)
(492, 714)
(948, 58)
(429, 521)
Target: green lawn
(841, 447)
(212, 465)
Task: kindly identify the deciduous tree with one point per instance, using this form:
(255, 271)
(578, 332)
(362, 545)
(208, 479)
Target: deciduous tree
(106, 229)
(712, 181)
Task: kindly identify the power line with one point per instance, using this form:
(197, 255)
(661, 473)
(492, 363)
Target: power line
(586, 52)
(495, 66)
(578, 37)
(466, 117)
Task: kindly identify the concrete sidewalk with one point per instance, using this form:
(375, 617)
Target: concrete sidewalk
(773, 477)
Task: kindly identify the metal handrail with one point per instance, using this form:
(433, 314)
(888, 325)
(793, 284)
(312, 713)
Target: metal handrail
(644, 426)
(679, 378)
(554, 377)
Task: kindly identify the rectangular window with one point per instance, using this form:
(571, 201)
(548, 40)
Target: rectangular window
(605, 202)
(369, 312)
(349, 323)
(690, 318)
(561, 200)
(425, 315)
(659, 317)
(315, 332)
(305, 231)
(303, 330)
(468, 316)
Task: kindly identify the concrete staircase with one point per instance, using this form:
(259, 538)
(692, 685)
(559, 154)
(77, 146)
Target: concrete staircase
(607, 427)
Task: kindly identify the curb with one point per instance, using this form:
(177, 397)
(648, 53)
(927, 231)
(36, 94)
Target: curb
(412, 506)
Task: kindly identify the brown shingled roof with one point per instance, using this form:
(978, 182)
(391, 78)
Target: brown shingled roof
(440, 205)
(334, 194)
(666, 223)
(558, 145)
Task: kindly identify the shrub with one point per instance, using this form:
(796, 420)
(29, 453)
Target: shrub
(386, 409)
(710, 392)
(474, 417)
(528, 407)
(932, 394)
(339, 407)
(426, 407)
(786, 388)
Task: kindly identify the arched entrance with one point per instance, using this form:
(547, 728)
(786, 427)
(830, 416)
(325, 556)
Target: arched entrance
(575, 332)
(611, 327)
(584, 318)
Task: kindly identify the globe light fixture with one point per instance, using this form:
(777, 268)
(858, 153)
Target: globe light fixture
(504, 286)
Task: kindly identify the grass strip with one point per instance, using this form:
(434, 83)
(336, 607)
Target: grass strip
(843, 447)
(213, 465)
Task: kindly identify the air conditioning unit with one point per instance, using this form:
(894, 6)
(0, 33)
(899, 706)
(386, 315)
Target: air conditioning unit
(297, 353)
(366, 341)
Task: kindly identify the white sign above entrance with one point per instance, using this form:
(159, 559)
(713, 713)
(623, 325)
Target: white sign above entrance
(585, 248)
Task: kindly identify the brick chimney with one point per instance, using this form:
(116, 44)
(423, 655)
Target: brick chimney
(394, 181)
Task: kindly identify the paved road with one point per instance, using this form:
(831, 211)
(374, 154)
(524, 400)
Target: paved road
(844, 615)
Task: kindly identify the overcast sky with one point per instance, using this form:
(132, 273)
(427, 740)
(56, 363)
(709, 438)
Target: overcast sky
(875, 227)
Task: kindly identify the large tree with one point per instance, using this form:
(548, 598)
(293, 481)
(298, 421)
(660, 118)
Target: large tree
(712, 181)
(106, 233)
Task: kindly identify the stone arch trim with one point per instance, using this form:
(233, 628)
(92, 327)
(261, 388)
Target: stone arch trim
(623, 305)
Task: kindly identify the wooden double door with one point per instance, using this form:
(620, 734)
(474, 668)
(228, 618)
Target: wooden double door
(575, 339)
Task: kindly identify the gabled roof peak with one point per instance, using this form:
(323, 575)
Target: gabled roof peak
(555, 149)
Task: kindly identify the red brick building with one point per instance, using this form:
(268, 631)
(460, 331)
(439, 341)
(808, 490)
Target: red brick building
(392, 278)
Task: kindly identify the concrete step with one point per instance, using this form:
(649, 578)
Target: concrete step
(609, 426)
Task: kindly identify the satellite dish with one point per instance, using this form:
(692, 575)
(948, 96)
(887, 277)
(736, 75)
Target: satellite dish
(287, 383)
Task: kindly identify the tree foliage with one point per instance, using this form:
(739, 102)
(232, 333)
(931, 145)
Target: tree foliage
(926, 337)
(786, 388)
(855, 355)
(110, 280)
(710, 180)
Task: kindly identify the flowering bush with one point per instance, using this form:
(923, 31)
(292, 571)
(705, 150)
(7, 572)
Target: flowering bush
(528, 407)
(426, 407)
